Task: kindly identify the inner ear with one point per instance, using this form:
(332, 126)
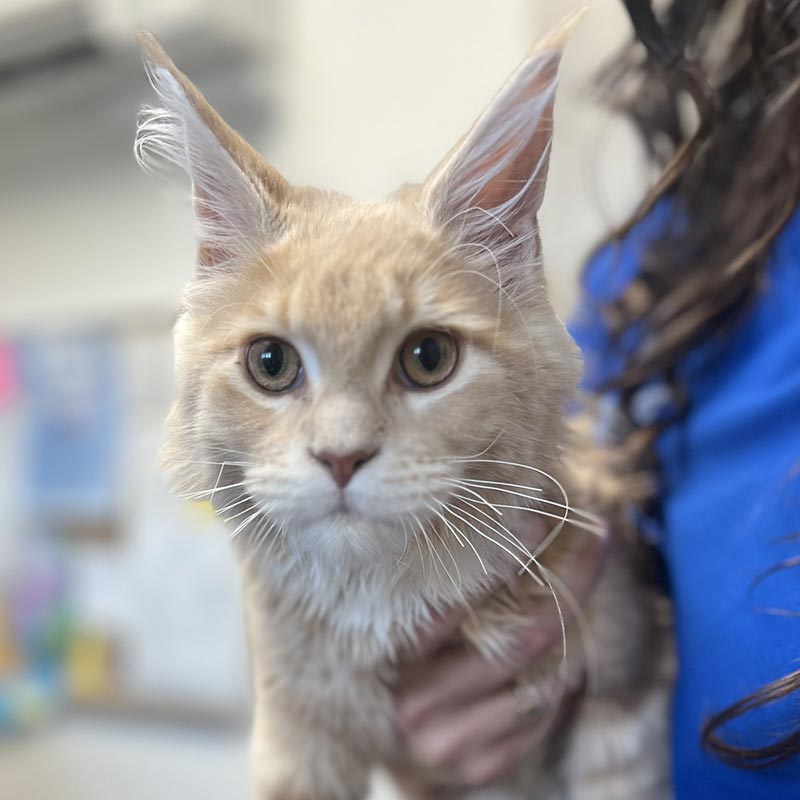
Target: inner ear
(500, 168)
(213, 251)
(237, 196)
(488, 191)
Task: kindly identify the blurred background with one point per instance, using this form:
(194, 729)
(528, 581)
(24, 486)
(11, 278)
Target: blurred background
(123, 669)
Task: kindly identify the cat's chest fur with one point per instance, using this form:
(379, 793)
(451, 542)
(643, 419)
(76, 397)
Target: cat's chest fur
(324, 645)
(368, 614)
(324, 655)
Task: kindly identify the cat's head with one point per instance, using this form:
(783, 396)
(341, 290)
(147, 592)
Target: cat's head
(340, 365)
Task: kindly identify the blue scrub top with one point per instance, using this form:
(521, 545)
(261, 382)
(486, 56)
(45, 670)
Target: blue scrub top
(730, 498)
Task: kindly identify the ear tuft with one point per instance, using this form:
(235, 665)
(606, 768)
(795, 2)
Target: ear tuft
(488, 191)
(236, 194)
(557, 38)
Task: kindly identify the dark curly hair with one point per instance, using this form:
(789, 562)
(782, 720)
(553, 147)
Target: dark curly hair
(713, 86)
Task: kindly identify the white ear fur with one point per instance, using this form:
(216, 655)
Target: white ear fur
(232, 214)
(487, 192)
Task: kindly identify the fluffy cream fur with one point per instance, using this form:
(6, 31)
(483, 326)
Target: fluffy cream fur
(333, 596)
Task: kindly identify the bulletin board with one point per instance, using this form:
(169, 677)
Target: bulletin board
(115, 597)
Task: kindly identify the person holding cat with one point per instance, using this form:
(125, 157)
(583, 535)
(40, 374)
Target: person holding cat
(690, 331)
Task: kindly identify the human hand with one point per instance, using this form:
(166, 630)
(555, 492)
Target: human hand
(467, 718)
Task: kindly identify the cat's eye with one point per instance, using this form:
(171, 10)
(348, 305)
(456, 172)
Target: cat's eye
(427, 358)
(274, 365)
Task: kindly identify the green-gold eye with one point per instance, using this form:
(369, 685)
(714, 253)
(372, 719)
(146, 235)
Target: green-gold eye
(427, 358)
(274, 364)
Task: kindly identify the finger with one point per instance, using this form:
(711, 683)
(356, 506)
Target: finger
(506, 752)
(494, 761)
(461, 674)
(442, 627)
(458, 674)
(532, 534)
(446, 736)
(571, 582)
(443, 681)
(580, 568)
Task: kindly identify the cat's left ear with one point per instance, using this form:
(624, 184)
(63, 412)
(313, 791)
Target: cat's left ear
(237, 196)
(488, 190)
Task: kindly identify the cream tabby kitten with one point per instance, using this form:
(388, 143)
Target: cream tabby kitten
(373, 395)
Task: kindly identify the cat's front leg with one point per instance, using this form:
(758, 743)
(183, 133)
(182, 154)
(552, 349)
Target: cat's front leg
(620, 751)
(293, 762)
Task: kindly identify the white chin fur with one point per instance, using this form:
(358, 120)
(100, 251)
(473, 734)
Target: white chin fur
(370, 582)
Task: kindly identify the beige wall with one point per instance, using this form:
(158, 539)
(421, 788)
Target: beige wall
(369, 94)
(377, 92)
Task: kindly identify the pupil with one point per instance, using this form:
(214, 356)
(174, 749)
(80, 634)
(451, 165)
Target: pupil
(272, 359)
(428, 354)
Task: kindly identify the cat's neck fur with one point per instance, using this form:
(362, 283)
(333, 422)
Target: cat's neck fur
(374, 606)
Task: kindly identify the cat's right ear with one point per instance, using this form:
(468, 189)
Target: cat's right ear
(487, 191)
(237, 196)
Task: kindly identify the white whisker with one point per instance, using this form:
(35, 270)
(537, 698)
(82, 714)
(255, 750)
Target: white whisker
(196, 495)
(562, 520)
(525, 567)
(483, 500)
(466, 538)
(595, 528)
(216, 482)
(507, 534)
(236, 452)
(586, 526)
(405, 544)
(585, 630)
(489, 484)
(238, 513)
(244, 524)
(545, 575)
(238, 502)
(495, 542)
(504, 533)
(218, 463)
(458, 586)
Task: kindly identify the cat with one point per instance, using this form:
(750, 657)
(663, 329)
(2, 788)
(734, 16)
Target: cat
(373, 396)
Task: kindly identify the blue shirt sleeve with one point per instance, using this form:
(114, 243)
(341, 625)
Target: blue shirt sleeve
(730, 500)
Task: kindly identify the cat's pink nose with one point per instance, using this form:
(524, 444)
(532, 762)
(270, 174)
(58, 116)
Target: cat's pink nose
(343, 465)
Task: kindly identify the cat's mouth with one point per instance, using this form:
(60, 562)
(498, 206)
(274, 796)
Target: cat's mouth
(342, 507)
